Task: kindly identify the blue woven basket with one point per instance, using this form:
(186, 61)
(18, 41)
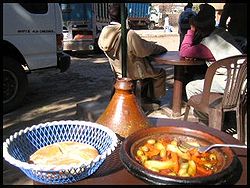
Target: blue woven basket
(18, 148)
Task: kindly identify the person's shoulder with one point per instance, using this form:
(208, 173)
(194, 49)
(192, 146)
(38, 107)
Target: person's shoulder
(187, 13)
(106, 28)
(219, 30)
(131, 32)
(113, 27)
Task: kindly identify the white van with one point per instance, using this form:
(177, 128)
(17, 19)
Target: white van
(32, 40)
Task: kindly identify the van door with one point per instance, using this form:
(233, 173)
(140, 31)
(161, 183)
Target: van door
(31, 27)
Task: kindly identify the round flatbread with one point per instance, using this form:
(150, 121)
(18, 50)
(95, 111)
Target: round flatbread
(64, 153)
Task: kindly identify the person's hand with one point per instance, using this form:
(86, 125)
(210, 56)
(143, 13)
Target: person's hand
(192, 27)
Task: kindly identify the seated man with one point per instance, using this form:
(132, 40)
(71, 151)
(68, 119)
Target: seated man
(207, 42)
(138, 65)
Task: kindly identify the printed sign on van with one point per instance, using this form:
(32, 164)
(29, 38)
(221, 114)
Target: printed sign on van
(35, 31)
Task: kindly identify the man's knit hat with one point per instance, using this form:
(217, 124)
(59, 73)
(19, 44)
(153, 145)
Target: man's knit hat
(205, 17)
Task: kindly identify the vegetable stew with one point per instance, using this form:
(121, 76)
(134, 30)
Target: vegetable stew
(168, 157)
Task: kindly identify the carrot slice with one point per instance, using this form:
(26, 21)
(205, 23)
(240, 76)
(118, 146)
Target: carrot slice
(152, 150)
(165, 171)
(193, 151)
(203, 171)
(175, 159)
(164, 158)
(197, 160)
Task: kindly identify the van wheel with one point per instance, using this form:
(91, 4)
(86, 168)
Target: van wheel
(15, 84)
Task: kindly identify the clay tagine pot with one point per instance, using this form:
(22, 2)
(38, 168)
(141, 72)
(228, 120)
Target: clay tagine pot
(123, 114)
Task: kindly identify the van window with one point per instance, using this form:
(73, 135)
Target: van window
(35, 8)
(76, 11)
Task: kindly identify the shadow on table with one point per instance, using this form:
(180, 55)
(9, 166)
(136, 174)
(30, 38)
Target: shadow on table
(112, 163)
